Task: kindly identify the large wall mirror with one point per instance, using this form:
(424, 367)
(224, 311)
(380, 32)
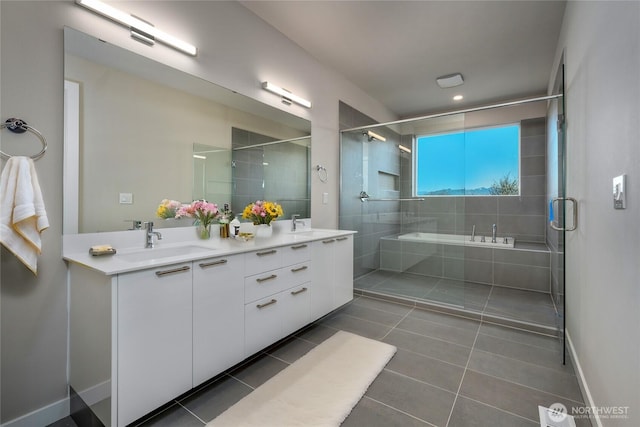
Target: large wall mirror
(138, 132)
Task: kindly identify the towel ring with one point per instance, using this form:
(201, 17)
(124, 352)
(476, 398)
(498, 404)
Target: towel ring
(20, 126)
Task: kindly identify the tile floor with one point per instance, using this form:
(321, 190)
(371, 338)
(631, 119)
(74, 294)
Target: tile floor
(448, 371)
(532, 307)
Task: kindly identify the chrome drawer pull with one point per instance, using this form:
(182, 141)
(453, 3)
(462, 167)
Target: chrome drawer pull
(329, 241)
(264, 279)
(299, 246)
(211, 264)
(261, 306)
(272, 251)
(295, 270)
(175, 270)
(299, 291)
(340, 239)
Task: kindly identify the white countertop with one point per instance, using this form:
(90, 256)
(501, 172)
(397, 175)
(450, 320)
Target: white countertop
(177, 246)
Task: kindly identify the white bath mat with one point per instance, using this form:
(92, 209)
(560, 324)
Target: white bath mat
(319, 389)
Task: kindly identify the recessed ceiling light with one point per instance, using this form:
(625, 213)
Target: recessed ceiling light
(458, 98)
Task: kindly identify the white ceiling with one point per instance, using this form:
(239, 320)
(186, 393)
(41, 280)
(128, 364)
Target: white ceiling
(394, 50)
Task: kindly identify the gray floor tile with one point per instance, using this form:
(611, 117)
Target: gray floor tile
(175, 415)
(431, 347)
(527, 353)
(469, 413)
(433, 371)
(357, 326)
(371, 314)
(519, 296)
(370, 413)
(316, 333)
(509, 397)
(446, 319)
(527, 374)
(520, 336)
(382, 305)
(438, 330)
(291, 350)
(216, 398)
(400, 392)
(259, 370)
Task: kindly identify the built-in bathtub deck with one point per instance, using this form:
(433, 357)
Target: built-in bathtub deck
(525, 266)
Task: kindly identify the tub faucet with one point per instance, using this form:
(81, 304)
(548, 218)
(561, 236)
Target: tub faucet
(494, 230)
(149, 235)
(473, 233)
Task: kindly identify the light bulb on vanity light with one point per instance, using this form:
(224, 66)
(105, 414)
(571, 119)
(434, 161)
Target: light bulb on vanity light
(140, 29)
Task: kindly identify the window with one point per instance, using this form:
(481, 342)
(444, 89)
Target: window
(477, 162)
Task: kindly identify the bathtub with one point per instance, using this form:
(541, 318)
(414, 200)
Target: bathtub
(457, 239)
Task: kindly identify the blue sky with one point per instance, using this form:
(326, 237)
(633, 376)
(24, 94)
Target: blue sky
(468, 159)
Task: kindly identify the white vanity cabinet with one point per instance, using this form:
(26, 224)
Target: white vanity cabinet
(218, 315)
(143, 334)
(277, 297)
(154, 328)
(333, 278)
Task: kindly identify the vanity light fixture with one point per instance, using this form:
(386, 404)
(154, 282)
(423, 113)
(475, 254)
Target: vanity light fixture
(458, 98)
(287, 97)
(405, 149)
(140, 29)
(198, 156)
(374, 136)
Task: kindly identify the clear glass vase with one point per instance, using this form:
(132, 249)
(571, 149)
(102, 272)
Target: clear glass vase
(203, 231)
(263, 231)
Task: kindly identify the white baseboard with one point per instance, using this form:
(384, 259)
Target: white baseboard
(43, 416)
(582, 381)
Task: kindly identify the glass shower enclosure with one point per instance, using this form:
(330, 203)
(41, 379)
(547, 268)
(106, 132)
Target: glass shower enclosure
(453, 229)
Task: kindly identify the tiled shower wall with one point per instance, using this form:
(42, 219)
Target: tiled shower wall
(265, 172)
(523, 217)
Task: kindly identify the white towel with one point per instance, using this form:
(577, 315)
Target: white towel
(22, 213)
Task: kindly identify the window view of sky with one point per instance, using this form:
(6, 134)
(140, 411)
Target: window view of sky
(467, 162)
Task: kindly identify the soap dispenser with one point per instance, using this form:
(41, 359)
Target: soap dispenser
(235, 226)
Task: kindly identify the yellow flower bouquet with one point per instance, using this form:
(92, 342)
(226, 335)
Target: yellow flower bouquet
(262, 212)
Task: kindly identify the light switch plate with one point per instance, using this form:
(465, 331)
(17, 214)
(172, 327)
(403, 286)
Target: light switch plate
(619, 192)
(126, 198)
(325, 198)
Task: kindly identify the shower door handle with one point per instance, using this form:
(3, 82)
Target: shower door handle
(574, 202)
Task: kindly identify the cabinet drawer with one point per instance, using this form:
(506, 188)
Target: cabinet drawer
(296, 274)
(295, 254)
(264, 260)
(264, 284)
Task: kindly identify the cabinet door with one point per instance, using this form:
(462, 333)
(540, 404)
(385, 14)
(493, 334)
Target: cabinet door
(263, 324)
(154, 339)
(322, 279)
(296, 303)
(343, 270)
(218, 315)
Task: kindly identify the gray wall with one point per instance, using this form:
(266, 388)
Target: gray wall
(237, 50)
(601, 45)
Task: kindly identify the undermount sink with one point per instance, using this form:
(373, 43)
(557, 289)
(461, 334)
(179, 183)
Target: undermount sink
(153, 254)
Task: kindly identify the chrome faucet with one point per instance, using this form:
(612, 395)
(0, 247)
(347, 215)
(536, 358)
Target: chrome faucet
(473, 233)
(149, 235)
(494, 230)
(295, 221)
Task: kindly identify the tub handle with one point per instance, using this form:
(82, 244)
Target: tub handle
(552, 222)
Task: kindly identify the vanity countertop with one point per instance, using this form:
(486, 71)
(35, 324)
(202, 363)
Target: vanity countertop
(131, 257)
